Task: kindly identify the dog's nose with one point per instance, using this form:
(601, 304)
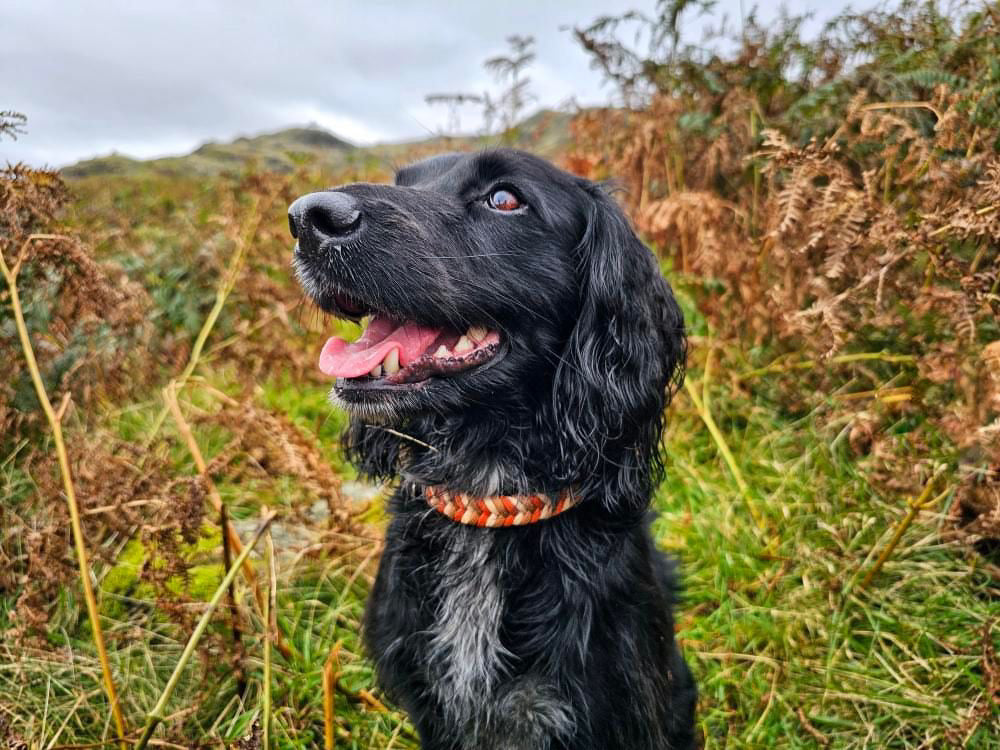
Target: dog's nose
(325, 215)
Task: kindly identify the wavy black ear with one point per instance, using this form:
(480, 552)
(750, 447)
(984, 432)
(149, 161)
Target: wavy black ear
(622, 362)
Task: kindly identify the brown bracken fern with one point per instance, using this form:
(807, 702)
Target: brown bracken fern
(830, 197)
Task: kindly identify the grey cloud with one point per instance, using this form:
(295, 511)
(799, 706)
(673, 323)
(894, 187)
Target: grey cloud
(157, 77)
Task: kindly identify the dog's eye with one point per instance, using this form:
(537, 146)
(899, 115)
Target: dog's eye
(503, 200)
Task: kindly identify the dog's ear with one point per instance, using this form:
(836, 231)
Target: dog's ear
(623, 359)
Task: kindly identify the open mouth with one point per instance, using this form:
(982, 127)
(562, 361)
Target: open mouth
(395, 352)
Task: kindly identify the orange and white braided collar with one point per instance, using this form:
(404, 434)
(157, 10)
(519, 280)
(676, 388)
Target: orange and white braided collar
(497, 510)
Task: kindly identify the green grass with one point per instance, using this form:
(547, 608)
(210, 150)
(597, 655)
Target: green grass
(773, 620)
(320, 605)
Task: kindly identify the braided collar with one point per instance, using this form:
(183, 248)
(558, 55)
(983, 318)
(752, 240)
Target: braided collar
(497, 510)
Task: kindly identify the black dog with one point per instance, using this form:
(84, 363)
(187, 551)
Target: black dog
(514, 375)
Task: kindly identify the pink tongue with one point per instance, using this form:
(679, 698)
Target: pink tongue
(340, 359)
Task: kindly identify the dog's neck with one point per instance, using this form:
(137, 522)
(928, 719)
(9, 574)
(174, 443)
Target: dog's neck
(500, 451)
(482, 454)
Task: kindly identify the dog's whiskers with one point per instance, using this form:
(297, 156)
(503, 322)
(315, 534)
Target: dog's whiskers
(403, 436)
(459, 257)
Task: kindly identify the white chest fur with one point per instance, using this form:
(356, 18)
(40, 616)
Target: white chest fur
(466, 657)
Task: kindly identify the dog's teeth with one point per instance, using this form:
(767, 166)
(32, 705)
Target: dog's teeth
(476, 334)
(442, 351)
(391, 362)
(463, 345)
(376, 371)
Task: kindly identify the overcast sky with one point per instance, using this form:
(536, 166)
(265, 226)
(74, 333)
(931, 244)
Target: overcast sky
(154, 78)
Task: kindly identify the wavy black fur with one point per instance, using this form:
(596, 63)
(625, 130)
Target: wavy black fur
(559, 634)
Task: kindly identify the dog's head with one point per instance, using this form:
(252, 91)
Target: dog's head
(499, 285)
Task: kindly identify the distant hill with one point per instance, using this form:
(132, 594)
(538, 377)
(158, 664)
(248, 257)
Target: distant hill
(546, 133)
(277, 152)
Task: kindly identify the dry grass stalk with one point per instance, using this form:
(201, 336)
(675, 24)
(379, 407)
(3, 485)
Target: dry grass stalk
(173, 406)
(157, 714)
(331, 670)
(810, 728)
(74, 512)
(701, 405)
(372, 701)
(241, 683)
(840, 359)
(915, 506)
(270, 628)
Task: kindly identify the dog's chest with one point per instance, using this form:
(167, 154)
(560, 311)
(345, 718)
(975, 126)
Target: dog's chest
(465, 656)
